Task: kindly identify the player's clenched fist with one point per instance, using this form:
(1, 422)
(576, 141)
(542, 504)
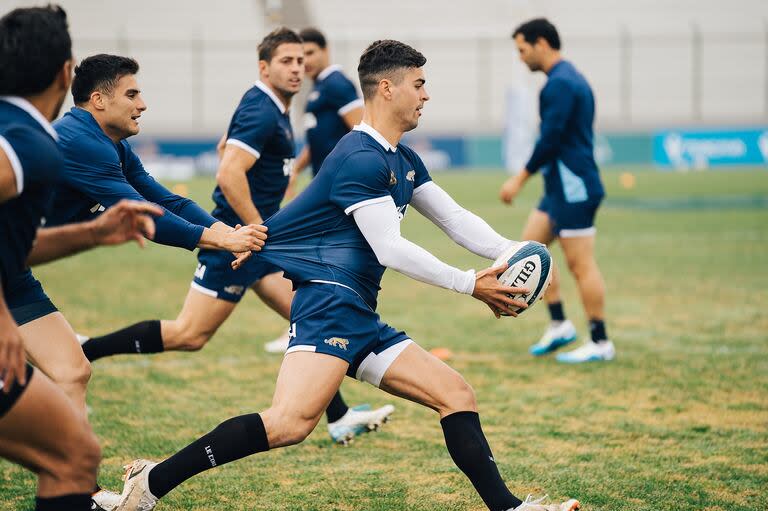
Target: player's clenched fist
(246, 238)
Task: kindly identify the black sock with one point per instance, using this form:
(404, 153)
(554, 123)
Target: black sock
(597, 330)
(470, 451)
(72, 502)
(142, 337)
(337, 408)
(556, 311)
(231, 440)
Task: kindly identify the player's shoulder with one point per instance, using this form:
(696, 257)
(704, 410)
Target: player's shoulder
(409, 154)
(358, 148)
(36, 151)
(256, 99)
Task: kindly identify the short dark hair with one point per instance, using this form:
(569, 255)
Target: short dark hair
(100, 72)
(539, 27)
(384, 58)
(313, 35)
(274, 39)
(34, 45)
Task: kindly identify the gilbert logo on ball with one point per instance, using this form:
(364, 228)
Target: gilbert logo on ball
(530, 266)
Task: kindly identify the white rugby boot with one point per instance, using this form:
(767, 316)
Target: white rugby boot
(556, 336)
(358, 421)
(136, 495)
(104, 500)
(602, 351)
(278, 345)
(540, 505)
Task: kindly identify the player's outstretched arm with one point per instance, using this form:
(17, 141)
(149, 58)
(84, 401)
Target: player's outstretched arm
(123, 222)
(12, 356)
(380, 225)
(462, 226)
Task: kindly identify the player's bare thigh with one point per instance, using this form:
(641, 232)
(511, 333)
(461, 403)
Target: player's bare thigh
(43, 432)
(200, 317)
(419, 376)
(305, 385)
(52, 346)
(538, 227)
(276, 291)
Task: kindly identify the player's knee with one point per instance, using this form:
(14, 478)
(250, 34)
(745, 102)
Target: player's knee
(77, 461)
(189, 338)
(288, 428)
(77, 373)
(459, 396)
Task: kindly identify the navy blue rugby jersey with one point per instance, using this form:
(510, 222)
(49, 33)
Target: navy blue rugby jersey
(315, 238)
(261, 126)
(29, 142)
(564, 151)
(99, 173)
(332, 96)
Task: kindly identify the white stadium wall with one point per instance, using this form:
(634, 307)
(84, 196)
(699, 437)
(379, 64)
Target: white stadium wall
(652, 63)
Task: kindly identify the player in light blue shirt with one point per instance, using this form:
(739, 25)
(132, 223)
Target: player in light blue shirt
(335, 242)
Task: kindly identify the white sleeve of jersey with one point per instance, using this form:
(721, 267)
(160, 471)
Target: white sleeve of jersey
(462, 226)
(380, 224)
(18, 171)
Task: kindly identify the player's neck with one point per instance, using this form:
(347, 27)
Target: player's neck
(283, 98)
(389, 128)
(551, 61)
(46, 104)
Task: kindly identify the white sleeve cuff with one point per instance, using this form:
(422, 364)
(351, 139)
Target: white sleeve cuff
(357, 103)
(18, 171)
(367, 202)
(245, 147)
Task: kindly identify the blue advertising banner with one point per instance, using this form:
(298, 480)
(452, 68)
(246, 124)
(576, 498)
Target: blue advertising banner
(702, 149)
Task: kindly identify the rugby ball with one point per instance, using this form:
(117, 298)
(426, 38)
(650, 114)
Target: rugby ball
(530, 266)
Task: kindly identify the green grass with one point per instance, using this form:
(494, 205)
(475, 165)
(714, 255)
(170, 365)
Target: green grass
(678, 421)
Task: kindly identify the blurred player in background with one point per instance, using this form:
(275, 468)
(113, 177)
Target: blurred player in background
(333, 108)
(335, 241)
(41, 427)
(253, 175)
(573, 190)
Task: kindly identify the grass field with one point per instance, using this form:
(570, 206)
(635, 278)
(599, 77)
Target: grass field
(679, 421)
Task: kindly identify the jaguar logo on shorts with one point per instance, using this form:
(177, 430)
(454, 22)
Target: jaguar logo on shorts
(337, 342)
(234, 290)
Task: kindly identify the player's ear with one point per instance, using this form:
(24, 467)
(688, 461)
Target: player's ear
(385, 88)
(263, 67)
(97, 100)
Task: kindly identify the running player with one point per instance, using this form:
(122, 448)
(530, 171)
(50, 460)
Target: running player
(332, 109)
(252, 179)
(334, 241)
(572, 190)
(39, 427)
